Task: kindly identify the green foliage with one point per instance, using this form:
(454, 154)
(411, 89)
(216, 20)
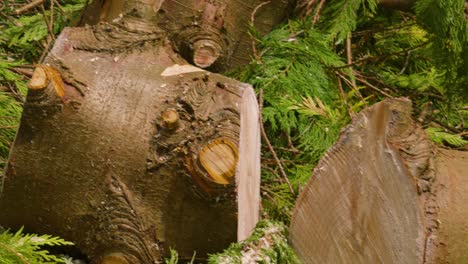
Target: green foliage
(173, 259)
(25, 35)
(10, 107)
(342, 16)
(20, 248)
(267, 244)
(309, 93)
(445, 21)
(301, 104)
(439, 136)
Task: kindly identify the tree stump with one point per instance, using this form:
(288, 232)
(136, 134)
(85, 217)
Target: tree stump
(380, 195)
(127, 150)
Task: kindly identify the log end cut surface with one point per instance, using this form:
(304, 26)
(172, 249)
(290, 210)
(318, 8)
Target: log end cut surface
(362, 203)
(450, 245)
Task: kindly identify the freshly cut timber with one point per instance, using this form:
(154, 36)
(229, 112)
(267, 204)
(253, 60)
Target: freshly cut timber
(141, 153)
(384, 194)
(207, 33)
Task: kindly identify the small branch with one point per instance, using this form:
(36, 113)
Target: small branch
(59, 6)
(349, 57)
(252, 22)
(52, 18)
(449, 128)
(28, 6)
(46, 49)
(350, 84)
(20, 257)
(408, 54)
(381, 57)
(291, 146)
(27, 73)
(272, 161)
(305, 7)
(343, 96)
(265, 192)
(373, 87)
(46, 20)
(267, 141)
(317, 13)
(272, 171)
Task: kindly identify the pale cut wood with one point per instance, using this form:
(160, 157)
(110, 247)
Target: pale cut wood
(368, 198)
(450, 204)
(248, 184)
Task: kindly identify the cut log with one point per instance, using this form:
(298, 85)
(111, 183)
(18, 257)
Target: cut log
(207, 33)
(450, 243)
(377, 197)
(142, 153)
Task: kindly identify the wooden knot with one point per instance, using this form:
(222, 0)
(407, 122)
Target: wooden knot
(42, 75)
(39, 79)
(170, 118)
(205, 52)
(219, 159)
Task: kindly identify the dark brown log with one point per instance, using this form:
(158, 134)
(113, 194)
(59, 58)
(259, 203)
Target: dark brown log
(380, 196)
(142, 153)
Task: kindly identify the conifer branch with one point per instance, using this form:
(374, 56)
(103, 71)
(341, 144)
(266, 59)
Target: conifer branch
(29, 6)
(13, 252)
(270, 147)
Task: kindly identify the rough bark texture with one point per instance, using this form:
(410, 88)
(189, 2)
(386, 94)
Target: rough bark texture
(128, 162)
(205, 32)
(380, 195)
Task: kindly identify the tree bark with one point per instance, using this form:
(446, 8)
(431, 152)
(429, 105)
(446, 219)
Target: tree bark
(211, 34)
(381, 195)
(127, 150)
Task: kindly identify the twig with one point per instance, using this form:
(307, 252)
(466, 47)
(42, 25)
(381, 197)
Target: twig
(373, 87)
(452, 129)
(25, 72)
(308, 5)
(349, 57)
(291, 146)
(270, 198)
(343, 96)
(28, 6)
(267, 141)
(52, 17)
(381, 57)
(46, 49)
(317, 13)
(18, 96)
(350, 84)
(376, 30)
(376, 80)
(273, 172)
(272, 161)
(59, 6)
(20, 257)
(408, 54)
(49, 25)
(252, 23)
